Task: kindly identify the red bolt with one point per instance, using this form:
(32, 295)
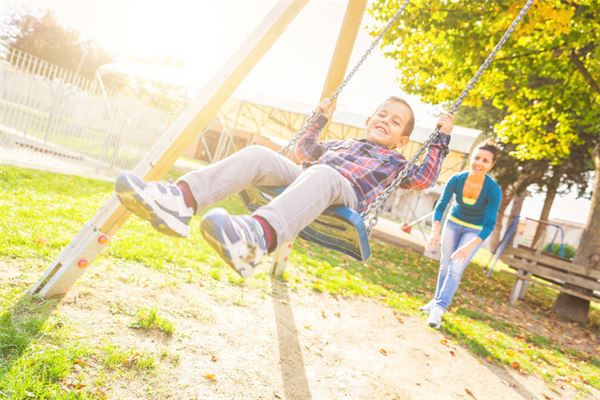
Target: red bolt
(102, 239)
(285, 259)
(82, 263)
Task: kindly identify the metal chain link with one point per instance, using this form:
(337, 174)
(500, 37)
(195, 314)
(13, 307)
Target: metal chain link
(292, 143)
(371, 214)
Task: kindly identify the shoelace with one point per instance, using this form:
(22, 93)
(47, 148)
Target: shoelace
(248, 232)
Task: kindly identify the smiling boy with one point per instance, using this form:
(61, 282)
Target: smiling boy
(348, 172)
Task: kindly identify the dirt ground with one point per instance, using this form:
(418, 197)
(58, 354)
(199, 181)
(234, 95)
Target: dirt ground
(274, 342)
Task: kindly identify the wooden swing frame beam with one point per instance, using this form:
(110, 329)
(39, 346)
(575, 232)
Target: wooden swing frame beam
(95, 235)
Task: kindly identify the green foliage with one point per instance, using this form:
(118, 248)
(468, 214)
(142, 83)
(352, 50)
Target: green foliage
(543, 83)
(554, 248)
(42, 36)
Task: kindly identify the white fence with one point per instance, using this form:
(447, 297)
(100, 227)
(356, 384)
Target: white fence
(49, 107)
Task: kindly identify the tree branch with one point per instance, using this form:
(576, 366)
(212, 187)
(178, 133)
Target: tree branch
(586, 74)
(527, 54)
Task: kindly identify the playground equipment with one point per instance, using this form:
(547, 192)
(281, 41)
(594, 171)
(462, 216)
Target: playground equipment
(534, 265)
(509, 236)
(342, 228)
(96, 234)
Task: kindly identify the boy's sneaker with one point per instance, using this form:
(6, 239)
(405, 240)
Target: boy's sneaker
(426, 308)
(435, 316)
(239, 240)
(158, 202)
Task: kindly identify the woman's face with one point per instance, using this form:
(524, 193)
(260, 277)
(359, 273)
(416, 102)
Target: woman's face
(482, 161)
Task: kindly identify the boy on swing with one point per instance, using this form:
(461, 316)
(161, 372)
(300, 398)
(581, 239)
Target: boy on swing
(344, 172)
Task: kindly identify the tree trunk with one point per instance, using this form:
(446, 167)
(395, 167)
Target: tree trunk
(551, 189)
(516, 208)
(588, 255)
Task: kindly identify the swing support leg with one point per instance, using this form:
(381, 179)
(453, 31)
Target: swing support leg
(63, 273)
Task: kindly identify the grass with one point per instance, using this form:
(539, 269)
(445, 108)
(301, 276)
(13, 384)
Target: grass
(41, 212)
(149, 320)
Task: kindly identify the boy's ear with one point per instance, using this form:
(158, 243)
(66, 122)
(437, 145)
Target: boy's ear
(403, 141)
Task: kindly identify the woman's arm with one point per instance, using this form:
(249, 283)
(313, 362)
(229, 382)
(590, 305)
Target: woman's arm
(491, 212)
(438, 212)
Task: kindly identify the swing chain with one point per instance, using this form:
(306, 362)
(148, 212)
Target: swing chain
(371, 214)
(292, 143)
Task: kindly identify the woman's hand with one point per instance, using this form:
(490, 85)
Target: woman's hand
(446, 123)
(433, 241)
(461, 254)
(326, 107)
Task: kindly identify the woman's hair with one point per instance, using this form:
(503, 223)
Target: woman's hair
(491, 146)
(410, 124)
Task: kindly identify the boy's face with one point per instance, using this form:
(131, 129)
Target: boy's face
(386, 126)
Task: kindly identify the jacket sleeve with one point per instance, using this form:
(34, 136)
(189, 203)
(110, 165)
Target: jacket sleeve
(440, 207)
(308, 147)
(422, 176)
(491, 212)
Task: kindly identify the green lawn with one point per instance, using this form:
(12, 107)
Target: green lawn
(41, 212)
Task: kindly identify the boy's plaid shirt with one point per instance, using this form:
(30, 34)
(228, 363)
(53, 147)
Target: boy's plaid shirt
(368, 166)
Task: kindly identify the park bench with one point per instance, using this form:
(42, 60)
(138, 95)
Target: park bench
(548, 270)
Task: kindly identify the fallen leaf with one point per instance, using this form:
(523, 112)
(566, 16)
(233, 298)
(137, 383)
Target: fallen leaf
(337, 314)
(79, 361)
(470, 393)
(128, 362)
(510, 353)
(515, 365)
(452, 353)
(323, 314)
(76, 386)
(383, 351)
(211, 377)
(213, 358)
(308, 327)
(488, 359)
(547, 397)
(444, 342)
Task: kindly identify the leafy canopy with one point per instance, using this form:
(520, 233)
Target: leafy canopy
(544, 80)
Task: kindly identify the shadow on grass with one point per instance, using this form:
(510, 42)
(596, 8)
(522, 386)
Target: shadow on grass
(20, 324)
(295, 381)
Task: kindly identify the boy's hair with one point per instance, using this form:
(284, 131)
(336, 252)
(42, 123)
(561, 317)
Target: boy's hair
(410, 124)
(491, 146)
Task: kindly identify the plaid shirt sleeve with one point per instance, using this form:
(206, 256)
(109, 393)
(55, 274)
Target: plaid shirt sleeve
(422, 176)
(308, 147)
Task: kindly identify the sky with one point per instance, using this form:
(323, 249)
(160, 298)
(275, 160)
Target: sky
(203, 34)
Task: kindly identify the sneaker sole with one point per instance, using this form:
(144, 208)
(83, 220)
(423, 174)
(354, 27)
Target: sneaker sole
(212, 229)
(129, 191)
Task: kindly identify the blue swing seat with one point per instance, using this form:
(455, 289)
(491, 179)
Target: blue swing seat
(338, 228)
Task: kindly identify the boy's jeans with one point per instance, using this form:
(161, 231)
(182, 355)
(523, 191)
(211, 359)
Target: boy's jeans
(453, 237)
(309, 193)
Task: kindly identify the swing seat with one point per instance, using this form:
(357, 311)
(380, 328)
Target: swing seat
(338, 228)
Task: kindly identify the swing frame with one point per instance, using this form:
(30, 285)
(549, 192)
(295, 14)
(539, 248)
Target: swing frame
(96, 234)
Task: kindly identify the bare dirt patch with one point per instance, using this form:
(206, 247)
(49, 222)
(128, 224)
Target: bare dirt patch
(276, 342)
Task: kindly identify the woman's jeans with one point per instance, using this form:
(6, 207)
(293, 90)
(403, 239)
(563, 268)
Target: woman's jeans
(453, 237)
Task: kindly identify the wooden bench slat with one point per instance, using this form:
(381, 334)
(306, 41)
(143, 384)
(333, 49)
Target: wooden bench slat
(593, 297)
(553, 262)
(542, 271)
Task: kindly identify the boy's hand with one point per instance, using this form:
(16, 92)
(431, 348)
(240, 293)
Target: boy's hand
(446, 123)
(326, 107)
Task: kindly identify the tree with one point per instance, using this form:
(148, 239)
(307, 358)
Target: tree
(543, 84)
(42, 36)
